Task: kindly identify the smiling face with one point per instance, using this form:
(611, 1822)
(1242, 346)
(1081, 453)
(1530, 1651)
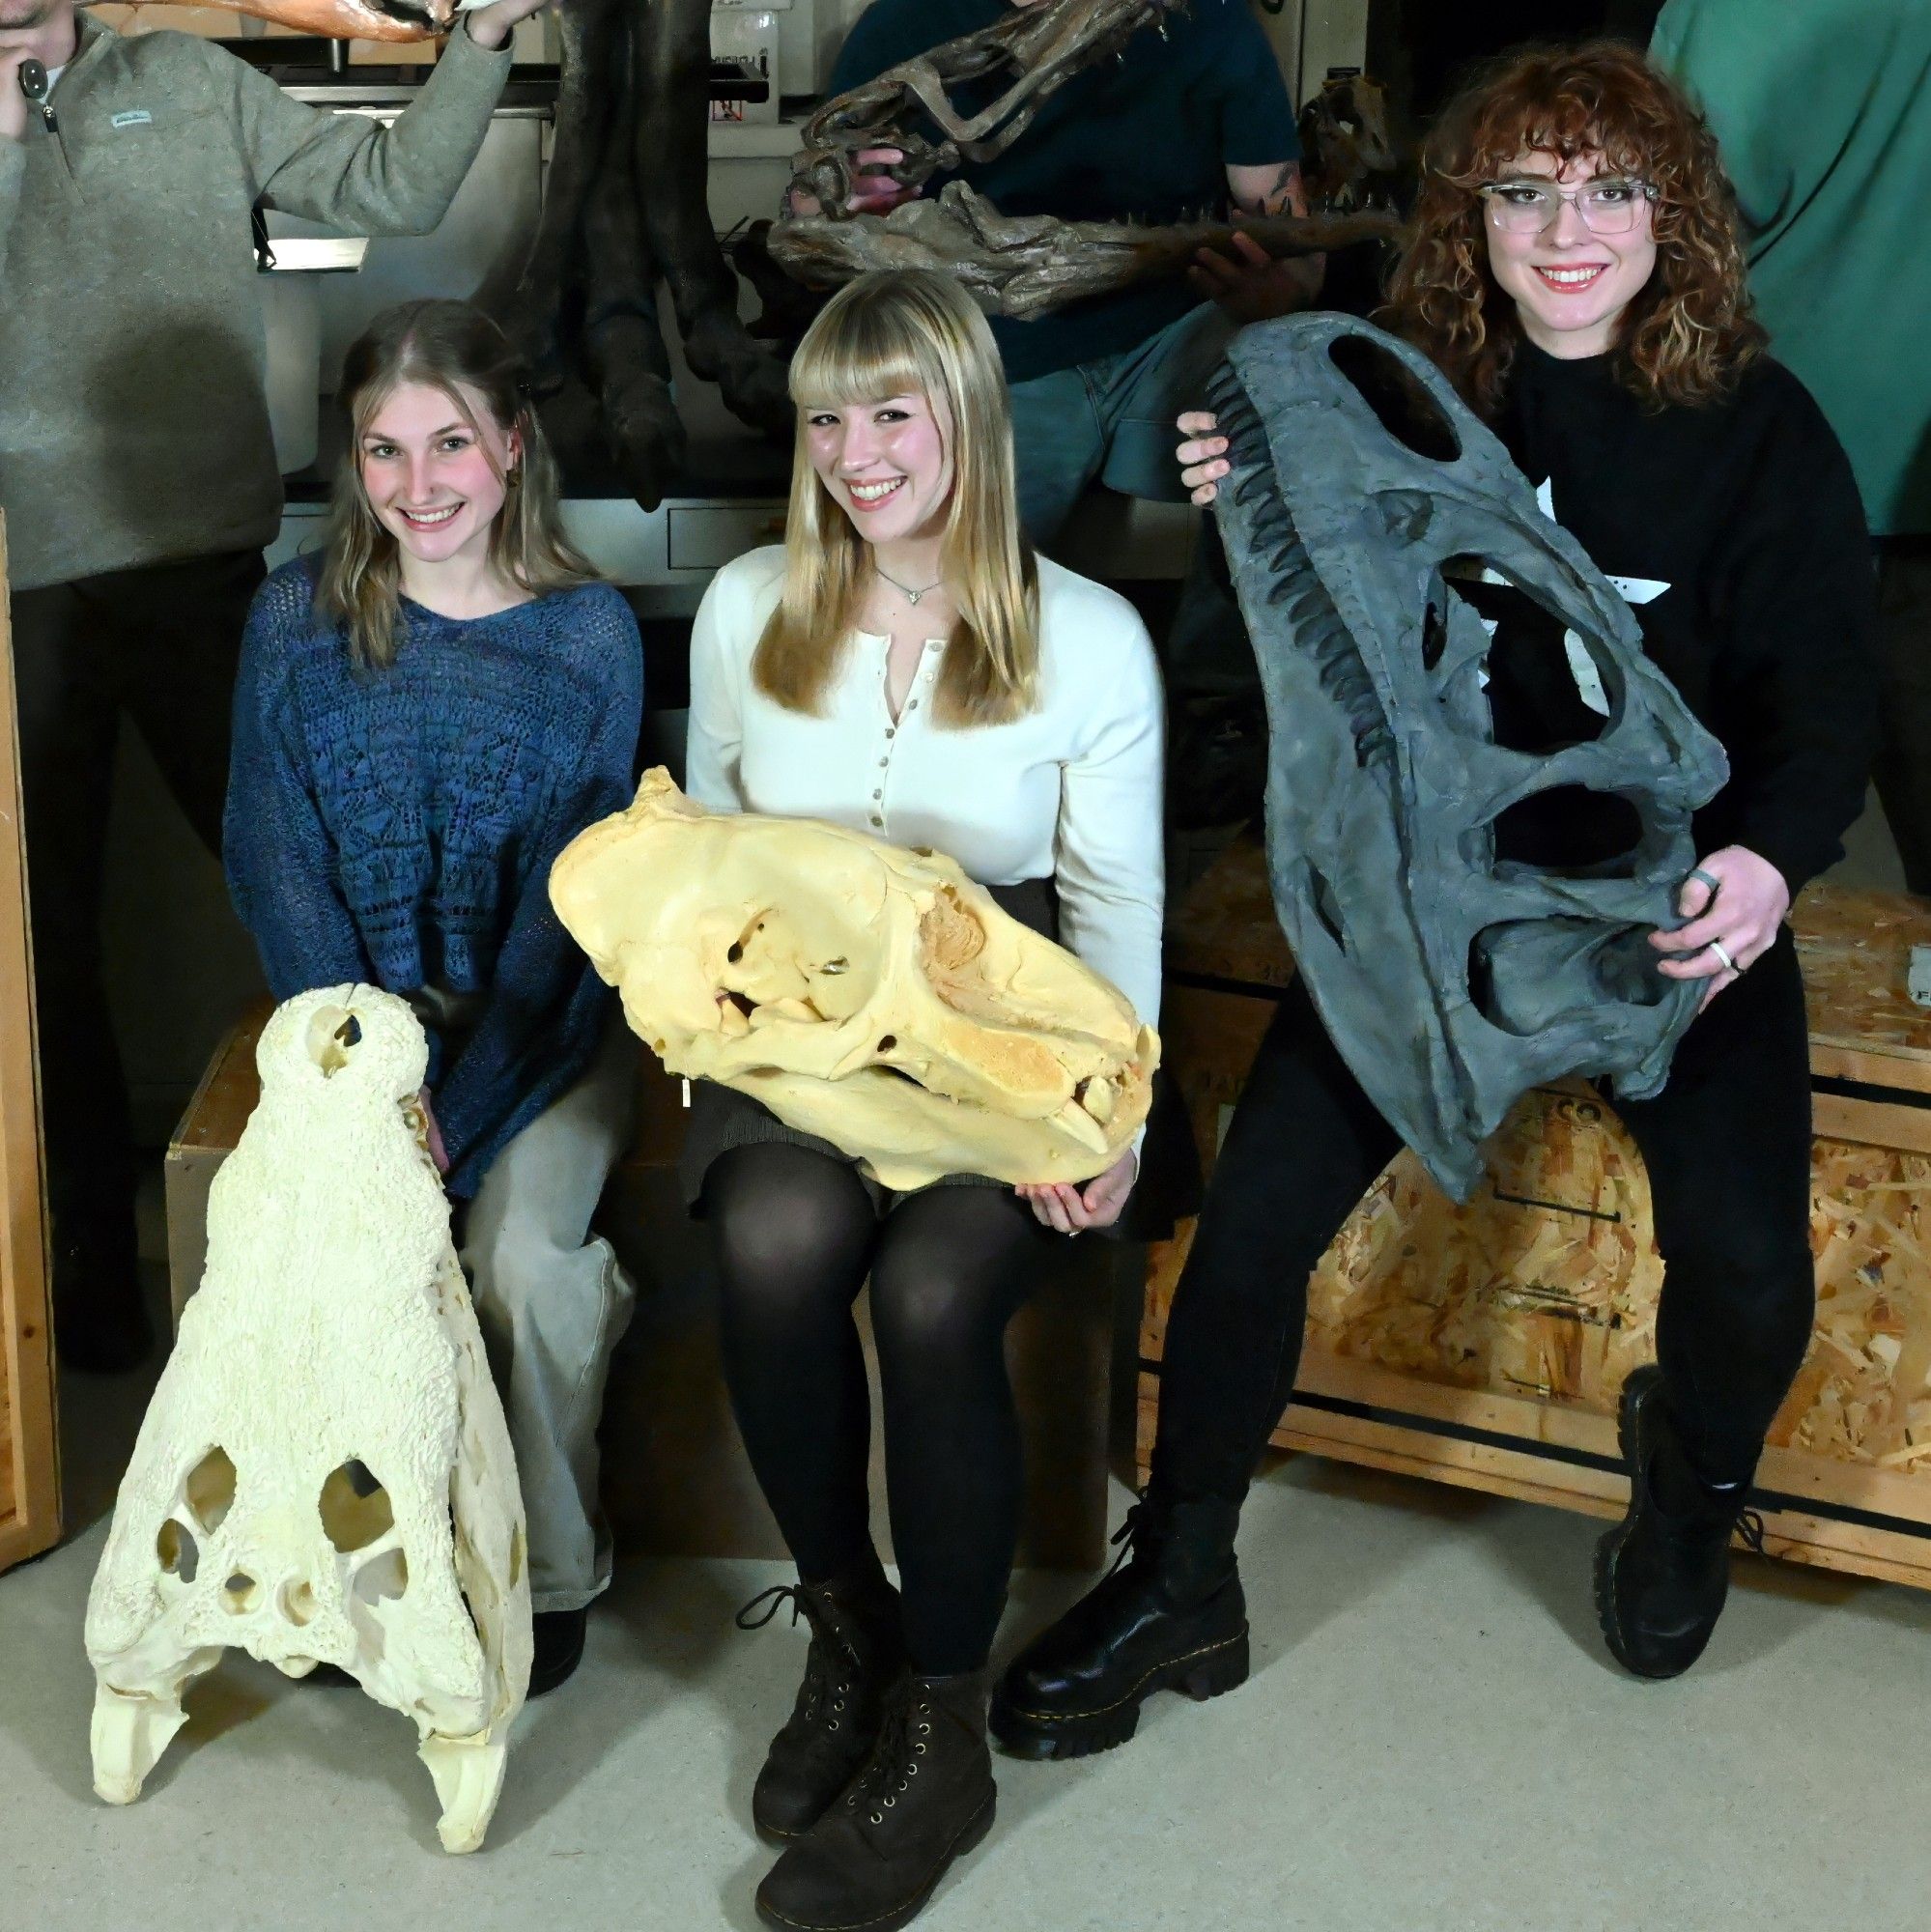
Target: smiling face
(434, 482)
(887, 464)
(1570, 283)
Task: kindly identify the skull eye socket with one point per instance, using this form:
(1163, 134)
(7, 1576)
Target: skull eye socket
(177, 1552)
(1401, 406)
(355, 1507)
(210, 1489)
(1571, 831)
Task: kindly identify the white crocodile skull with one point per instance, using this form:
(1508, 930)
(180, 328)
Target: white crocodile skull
(873, 996)
(325, 1476)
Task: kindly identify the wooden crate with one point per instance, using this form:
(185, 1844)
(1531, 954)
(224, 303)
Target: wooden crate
(1487, 1346)
(675, 1479)
(29, 1455)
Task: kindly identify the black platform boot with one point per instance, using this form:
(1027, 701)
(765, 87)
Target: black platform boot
(924, 1795)
(1171, 1615)
(1662, 1572)
(858, 1650)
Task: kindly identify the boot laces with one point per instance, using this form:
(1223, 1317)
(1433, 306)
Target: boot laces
(1135, 1530)
(824, 1691)
(894, 1758)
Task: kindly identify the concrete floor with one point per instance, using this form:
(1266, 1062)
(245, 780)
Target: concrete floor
(1434, 1738)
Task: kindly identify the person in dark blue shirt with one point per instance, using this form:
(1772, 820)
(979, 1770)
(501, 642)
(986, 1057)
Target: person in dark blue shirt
(424, 717)
(1192, 117)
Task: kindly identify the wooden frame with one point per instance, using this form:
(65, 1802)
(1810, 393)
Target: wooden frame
(1486, 1346)
(29, 1449)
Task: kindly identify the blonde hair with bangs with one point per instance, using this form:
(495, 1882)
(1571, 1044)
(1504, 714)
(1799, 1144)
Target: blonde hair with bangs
(909, 332)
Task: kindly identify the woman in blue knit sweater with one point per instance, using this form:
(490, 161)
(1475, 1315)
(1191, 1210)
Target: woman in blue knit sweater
(424, 717)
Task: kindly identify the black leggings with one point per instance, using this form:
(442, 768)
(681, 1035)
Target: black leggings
(795, 1237)
(1727, 1149)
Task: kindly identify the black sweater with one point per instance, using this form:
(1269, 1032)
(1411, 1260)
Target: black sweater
(1747, 510)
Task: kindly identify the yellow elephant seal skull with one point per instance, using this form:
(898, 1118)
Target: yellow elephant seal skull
(871, 995)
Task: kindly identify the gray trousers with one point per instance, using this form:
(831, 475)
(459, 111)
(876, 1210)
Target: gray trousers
(553, 1303)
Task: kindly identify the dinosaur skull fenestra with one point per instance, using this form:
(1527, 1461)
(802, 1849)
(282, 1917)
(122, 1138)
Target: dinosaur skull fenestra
(1364, 507)
(325, 1474)
(871, 995)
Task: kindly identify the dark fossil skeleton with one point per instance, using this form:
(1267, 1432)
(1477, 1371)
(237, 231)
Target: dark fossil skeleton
(1015, 266)
(1451, 976)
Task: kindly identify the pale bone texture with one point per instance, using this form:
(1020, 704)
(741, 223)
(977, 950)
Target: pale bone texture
(349, 19)
(1019, 265)
(1451, 980)
(871, 995)
(325, 1474)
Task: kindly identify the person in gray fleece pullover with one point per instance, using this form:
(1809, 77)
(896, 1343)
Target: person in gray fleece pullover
(139, 484)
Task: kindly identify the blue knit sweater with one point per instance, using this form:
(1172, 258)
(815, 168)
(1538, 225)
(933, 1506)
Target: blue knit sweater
(397, 827)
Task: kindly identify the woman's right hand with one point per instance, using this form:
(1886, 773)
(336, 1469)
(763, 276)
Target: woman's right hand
(1203, 457)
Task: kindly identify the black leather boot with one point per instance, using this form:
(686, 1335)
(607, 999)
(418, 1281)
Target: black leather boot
(858, 1650)
(924, 1795)
(1662, 1572)
(1171, 1615)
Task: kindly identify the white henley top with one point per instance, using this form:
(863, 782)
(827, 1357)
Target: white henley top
(1069, 791)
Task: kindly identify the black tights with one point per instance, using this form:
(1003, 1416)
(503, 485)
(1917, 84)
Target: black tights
(1726, 1146)
(795, 1237)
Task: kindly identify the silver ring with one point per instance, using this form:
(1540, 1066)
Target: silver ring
(1722, 952)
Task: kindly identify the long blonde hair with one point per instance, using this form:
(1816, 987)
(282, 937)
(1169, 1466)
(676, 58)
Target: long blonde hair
(909, 332)
(441, 344)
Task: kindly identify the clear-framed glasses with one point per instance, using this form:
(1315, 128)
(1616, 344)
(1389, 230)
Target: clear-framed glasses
(1608, 206)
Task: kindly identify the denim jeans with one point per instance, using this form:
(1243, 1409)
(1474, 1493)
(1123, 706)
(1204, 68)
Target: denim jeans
(1111, 420)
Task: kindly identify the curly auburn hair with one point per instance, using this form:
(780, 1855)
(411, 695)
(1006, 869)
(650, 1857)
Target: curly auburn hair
(1688, 334)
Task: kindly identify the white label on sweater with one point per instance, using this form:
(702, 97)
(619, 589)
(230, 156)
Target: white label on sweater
(134, 117)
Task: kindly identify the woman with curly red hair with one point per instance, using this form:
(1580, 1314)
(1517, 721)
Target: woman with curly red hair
(1574, 269)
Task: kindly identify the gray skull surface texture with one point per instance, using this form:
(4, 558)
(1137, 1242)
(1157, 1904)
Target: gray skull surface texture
(1364, 508)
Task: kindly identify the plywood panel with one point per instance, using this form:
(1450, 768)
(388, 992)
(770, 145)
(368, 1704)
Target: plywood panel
(1487, 1346)
(29, 1468)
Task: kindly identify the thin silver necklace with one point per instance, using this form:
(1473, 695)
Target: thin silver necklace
(905, 591)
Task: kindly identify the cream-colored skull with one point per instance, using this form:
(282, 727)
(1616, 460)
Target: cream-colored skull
(871, 995)
(325, 1474)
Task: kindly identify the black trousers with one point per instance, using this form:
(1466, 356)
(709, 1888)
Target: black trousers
(160, 644)
(1902, 770)
(1727, 1150)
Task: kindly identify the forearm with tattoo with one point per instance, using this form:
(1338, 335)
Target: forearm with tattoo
(1268, 191)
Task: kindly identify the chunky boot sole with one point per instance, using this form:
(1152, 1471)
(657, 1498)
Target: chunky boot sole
(1208, 1672)
(1610, 1549)
(970, 1835)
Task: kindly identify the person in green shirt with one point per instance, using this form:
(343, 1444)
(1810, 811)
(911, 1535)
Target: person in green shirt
(1823, 110)
(138, 478)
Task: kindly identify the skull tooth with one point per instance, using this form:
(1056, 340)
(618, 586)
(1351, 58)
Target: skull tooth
(1081, 1126)
(1097, 1096)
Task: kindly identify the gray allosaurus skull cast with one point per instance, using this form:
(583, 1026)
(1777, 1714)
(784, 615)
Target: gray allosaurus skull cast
(1364, 507)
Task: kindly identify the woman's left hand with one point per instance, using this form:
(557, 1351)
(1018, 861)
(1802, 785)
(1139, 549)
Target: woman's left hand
(1739, 917)
(1057, 1204)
